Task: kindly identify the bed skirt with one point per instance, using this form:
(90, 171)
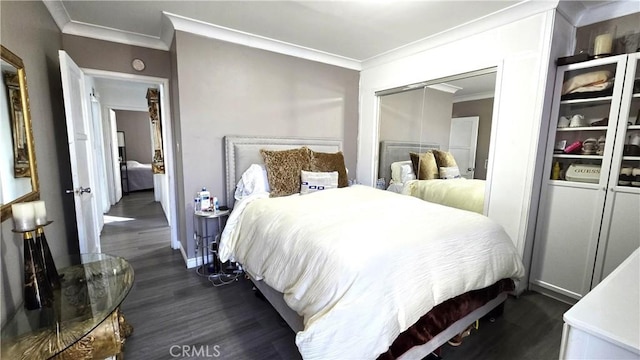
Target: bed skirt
(444, 315)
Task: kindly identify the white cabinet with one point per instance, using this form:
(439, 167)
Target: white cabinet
(589, 216)
(605, 324)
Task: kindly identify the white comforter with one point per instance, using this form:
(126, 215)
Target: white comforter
(361, 265)
(465, 194)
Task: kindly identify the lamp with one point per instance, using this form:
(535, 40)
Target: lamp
(120, 138)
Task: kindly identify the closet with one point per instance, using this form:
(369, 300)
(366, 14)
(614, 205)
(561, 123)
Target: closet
(589, 215)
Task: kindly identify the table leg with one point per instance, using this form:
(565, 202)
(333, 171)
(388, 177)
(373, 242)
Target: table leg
(106, 340)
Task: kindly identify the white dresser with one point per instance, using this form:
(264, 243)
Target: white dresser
(605, 324)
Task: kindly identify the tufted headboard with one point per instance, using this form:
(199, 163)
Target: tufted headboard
(392, 151)
(242, 151)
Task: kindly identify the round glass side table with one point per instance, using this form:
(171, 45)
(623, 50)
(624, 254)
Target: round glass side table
(92, 288)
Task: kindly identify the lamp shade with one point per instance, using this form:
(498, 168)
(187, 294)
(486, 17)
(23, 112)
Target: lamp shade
(120, 138)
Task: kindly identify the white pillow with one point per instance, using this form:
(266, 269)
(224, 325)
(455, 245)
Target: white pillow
(398, 171)
(450, 173)
(407, 173)
(315, 181)
(253, 181)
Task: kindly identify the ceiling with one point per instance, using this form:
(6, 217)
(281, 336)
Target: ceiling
(356, 30)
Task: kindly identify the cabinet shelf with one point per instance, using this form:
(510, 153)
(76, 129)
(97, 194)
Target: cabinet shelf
(577, 156)
(595, 100)
(585, 128)
(633, 127)
(631, 158)
(574, 184)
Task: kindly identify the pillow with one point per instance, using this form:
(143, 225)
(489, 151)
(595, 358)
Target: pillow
(450, 173)
(424, 165)
(253, 181)
(401, 172)
(444, 158)
(593, 78)
(283, 169)
(327, 162)
(406, 173)
(396, 170)
(316, 181)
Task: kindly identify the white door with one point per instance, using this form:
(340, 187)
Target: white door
(78, 130)
(463, 139)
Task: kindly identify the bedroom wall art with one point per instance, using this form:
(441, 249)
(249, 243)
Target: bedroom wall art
(153, 96)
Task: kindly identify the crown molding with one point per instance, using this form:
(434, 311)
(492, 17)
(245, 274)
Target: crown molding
(471, 97)
(448, 88)
(609, 10)
(505, 16)
(114, 35)
(67, 26)
(212, 31)
(58, 12)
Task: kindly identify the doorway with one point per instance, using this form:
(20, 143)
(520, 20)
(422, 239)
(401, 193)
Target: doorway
(108, 92)
(123, 99)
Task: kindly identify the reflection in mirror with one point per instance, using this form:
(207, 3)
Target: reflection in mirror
(446, 124)
(18, 175)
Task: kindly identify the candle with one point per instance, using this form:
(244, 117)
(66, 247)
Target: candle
(40, 212)
(603, 45)
(24, 218)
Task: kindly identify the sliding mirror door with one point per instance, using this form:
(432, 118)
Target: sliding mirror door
(446, 124)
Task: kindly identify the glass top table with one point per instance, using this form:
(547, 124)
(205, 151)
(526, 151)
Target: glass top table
(92, 289)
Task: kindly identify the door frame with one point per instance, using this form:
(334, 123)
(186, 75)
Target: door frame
(167, 134)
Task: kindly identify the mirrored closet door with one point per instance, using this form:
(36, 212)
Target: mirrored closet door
(446, 124)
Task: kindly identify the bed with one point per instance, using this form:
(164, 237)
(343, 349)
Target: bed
(139, 176)
(335, 263)
(396, 168)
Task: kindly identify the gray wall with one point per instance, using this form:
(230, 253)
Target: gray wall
(29, 31)
(229, 89)
(416, 115)
(105, 55)
(135, 125)
(484, 109)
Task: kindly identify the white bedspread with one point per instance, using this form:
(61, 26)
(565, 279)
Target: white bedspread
(358, 281)
(465, 194)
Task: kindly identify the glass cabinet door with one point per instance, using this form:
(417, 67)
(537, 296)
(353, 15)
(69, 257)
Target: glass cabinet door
(586, 118)
(626, 162)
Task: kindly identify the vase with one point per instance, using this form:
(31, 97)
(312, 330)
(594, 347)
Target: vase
(50, 271)
(37, 291)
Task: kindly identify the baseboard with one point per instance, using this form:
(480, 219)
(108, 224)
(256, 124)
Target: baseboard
(544, 290)
(194, 261)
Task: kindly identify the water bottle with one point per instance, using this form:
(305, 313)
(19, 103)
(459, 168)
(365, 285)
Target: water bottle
(196, 204)
(205, 199)
(216, 205)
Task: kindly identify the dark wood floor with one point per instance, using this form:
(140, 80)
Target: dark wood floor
(173, 309)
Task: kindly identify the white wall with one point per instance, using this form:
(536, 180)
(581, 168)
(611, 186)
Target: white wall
(520, 50)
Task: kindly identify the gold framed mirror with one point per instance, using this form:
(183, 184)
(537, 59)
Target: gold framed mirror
(18, 171)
